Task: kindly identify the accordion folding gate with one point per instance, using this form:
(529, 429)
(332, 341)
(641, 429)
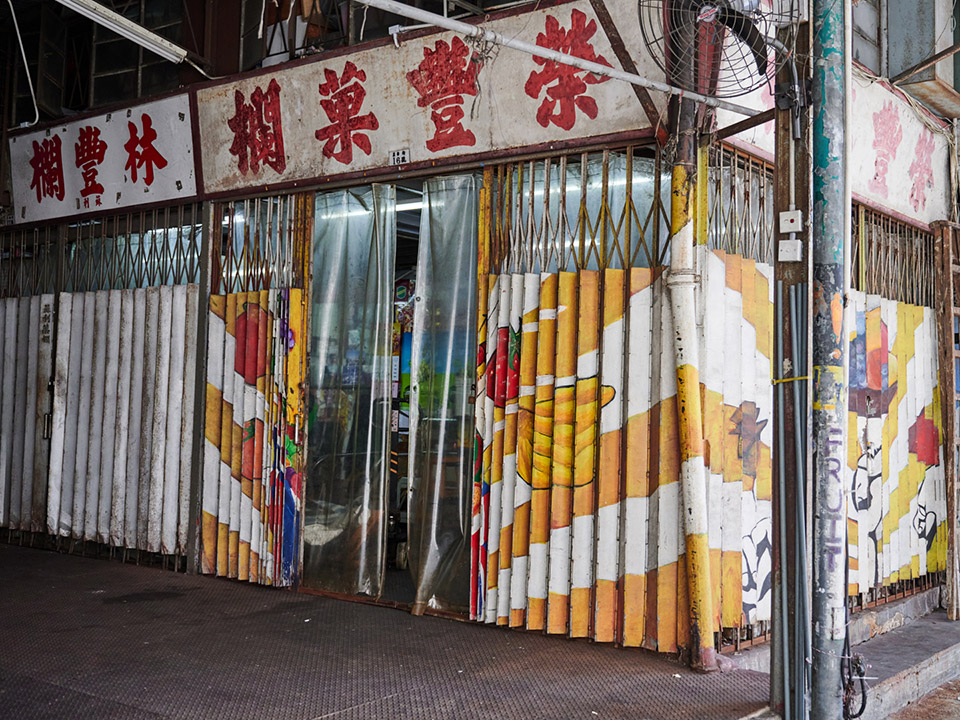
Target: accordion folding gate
(251, 496)
(122, 431)
(577, 525)
(897, 521)
(26, 347)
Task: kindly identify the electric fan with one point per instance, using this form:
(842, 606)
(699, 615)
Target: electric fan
(721, 48)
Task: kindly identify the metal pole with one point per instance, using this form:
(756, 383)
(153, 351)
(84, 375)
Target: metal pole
(682, 284)
(831, 219)
(478, 31)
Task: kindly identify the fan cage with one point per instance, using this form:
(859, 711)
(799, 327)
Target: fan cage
(723, 65)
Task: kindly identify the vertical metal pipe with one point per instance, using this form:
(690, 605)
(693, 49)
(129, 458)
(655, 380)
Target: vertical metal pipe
(682, 282)
(783, 637)
(799, 355)
(831, 217)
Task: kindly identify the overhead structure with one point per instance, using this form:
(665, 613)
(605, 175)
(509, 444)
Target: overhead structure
(127, 28)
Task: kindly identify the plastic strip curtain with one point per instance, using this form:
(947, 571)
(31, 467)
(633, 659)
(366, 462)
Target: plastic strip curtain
(576, 517)
(896, 525)
(350, 389)
(251, 484)
(441, 408)
(27, 346)
(121, 448)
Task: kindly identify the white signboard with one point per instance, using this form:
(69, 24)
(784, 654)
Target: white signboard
(433, 97)
(899, 162)
(129, 157)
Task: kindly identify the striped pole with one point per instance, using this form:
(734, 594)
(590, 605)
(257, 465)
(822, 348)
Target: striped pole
(561, 493)
(682, 282)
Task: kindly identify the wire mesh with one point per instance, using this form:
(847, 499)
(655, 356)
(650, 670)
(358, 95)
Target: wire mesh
(892, 258)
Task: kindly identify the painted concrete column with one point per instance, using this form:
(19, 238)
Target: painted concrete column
(682, 281)
(831, 218)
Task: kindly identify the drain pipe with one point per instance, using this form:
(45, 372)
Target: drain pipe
(831, 220)
(682, 283)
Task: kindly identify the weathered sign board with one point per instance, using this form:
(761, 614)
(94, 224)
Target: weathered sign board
(433, 97)
(899, 163)
(135, 156)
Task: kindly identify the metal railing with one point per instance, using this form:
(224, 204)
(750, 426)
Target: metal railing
(740, 202)
(892, 258)
(123, 251)
(261, 243)
(611, 209)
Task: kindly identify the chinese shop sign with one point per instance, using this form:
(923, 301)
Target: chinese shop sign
(128, 157)
(437, 96)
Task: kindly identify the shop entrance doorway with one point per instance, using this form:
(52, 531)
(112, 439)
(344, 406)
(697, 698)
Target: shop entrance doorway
(390, 426)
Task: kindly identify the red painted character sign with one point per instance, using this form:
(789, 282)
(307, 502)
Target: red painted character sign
(442, 78)
(47, 164)
(565, 86)
(257, 130)
(89, 151)
(140, 151)
(342, 101)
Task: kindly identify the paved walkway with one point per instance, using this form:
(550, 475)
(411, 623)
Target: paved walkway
(87, 638)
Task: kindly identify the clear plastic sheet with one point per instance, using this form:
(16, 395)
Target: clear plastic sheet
(349, 391)
(443, 367)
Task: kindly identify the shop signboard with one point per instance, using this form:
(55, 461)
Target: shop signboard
(429, 100)
(134, 156)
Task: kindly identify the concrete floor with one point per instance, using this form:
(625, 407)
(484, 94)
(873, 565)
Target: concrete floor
(941, 704)
(94, 638)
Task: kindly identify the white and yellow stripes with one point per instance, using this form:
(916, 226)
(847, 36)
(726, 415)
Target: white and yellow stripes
(251, 470)
(605, 553)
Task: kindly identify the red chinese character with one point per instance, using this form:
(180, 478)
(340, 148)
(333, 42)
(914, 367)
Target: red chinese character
(886, 141)
(565, 85)
(141, 152)
(342, 106)
(257, 133)
(442, 78)
(89, 151)
(47, 164)
(921, 170)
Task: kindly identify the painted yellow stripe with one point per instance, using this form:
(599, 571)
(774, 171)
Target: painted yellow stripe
(690, 412)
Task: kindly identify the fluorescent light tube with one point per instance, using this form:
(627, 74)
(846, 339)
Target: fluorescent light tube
(127, 28)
